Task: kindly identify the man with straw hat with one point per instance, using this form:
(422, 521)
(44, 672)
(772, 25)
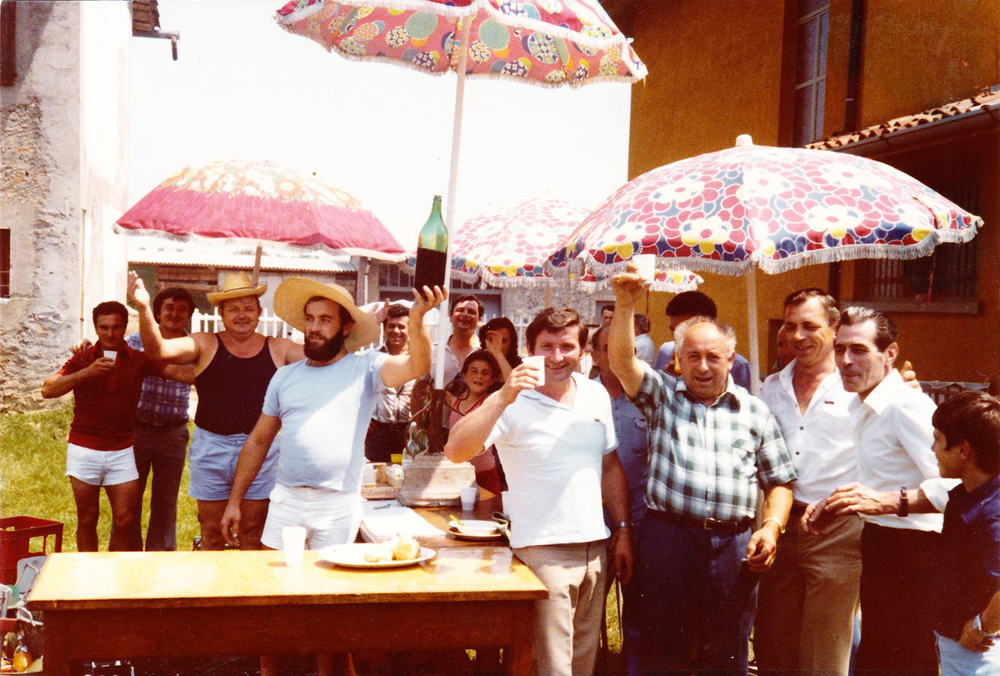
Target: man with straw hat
(232, 370)
(322, 407)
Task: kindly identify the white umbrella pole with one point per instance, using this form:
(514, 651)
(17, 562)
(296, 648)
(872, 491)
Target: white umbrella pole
(752, 326)
(456, 138)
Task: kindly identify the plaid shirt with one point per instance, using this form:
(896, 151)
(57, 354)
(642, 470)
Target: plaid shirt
(706, 461)
(164, 403)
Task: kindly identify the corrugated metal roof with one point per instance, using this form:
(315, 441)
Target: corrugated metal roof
(986, 101)
(220, 254)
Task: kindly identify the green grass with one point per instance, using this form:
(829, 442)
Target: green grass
(33, 479)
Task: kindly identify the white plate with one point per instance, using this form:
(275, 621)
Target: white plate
(353, 556)
(476, 528)
(459, 535)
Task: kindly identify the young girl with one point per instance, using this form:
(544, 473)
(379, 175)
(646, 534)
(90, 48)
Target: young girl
(499, 337)
(482, 377)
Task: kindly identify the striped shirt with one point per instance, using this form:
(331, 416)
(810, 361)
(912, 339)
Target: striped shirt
(707, 461)
(164, 403)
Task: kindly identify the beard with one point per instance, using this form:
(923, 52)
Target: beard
(318, 349)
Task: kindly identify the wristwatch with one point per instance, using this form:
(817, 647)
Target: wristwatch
(622, 524)
(904, 503)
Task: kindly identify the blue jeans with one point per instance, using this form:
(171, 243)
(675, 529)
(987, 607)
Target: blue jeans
(162, 450)
(697, 599)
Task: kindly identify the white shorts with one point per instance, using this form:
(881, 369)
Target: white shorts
(100, 468)
(329, 517)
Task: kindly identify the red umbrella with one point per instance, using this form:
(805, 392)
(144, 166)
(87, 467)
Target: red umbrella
(260, 202)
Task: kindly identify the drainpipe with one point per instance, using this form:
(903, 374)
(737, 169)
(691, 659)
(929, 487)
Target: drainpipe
(851, 110)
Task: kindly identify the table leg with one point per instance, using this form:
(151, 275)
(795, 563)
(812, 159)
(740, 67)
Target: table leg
(54, 646)
(517, 657)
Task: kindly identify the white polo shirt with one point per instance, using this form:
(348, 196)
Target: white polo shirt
(552, 456)
(893, 438)
(821, 440)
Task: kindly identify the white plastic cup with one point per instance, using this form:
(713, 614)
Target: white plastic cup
(293, 541)
(111, 354)
(368, 474)
(469, 495)
(646, 267)
(538, 364)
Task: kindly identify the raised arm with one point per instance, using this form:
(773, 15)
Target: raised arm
(182, 350)
(494, 345)
(59, 384)
(621, 335)
(251, 459)
(468, 437)
(402, 368)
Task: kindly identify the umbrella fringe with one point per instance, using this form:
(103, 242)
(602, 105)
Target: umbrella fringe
(190, 237)
(638, 71)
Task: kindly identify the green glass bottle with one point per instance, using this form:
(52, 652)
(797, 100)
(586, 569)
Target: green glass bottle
(432, 250)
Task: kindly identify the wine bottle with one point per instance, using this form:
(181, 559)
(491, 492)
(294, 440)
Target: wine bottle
(432, 250)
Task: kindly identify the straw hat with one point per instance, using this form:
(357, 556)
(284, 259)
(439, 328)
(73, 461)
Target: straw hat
(236, 285)
(290, 304)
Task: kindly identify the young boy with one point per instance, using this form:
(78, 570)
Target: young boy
(967, 446)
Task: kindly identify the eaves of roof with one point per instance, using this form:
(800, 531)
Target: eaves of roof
(966, 117)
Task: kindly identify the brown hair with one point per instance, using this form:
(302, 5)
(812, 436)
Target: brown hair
(828, 302)
(554, 320)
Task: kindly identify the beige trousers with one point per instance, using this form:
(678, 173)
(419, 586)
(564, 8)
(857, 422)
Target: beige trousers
(568, 623)
(806, 603)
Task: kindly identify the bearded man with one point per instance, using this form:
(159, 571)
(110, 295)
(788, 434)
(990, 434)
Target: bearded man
(322, 406)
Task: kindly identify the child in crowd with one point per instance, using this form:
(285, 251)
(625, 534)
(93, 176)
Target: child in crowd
(482, 376)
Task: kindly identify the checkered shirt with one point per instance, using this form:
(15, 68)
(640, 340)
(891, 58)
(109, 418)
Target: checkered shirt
(706, 461)
(164, 402)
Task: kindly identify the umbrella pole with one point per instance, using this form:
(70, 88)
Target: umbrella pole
(456, 138)
(256, 264)
(752, 326)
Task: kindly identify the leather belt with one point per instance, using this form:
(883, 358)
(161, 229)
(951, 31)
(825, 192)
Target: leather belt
(717, 525)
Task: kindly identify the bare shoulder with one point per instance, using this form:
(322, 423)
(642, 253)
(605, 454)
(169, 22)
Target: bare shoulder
(285, 351)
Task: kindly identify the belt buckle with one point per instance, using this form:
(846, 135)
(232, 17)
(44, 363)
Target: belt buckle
(710, 523)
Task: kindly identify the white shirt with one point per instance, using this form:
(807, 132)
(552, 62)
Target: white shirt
(893, 440)
(452, 364)
(552, 456)
(821, 440)
(645, 349)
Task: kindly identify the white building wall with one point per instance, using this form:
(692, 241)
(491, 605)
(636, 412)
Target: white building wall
(48, 183)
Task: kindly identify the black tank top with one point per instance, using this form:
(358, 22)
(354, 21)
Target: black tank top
(231, 390)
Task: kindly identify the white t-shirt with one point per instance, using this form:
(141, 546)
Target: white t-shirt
(324, 412)
(552, 456)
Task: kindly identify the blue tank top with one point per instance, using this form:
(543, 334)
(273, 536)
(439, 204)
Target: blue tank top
(231, 390)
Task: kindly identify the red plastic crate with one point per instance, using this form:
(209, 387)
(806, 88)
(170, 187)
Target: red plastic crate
(16, 534)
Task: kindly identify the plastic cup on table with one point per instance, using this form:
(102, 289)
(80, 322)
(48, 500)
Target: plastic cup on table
(538, 364)
(396, 458)
(368, 474)
(468, 496)
(293, 541)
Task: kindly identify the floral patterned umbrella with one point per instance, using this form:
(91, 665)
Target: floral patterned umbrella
(260, 202)
(545, 42)
(774, 208)
(751, 206)
(510, 247)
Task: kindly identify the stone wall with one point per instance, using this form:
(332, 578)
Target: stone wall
(48, 189)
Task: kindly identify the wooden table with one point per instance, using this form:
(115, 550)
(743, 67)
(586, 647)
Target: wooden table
(107, 606)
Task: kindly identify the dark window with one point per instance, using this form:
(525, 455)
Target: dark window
(5, 263)
(949, 273)
(811, 32)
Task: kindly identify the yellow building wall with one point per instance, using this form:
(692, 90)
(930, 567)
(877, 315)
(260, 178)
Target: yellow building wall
(715, 71)
(922, 53)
